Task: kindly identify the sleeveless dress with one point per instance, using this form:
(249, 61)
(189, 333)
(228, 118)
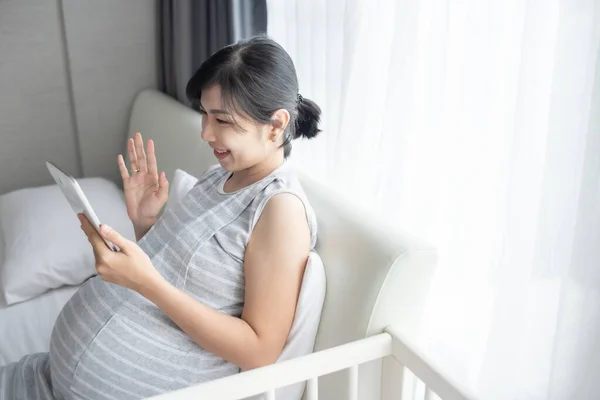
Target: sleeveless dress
(110, 342)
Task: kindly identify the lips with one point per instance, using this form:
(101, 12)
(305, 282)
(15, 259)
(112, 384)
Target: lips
(221, 153)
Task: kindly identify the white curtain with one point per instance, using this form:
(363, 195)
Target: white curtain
(474, 124)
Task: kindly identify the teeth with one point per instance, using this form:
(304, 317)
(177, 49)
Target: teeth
(221, 151)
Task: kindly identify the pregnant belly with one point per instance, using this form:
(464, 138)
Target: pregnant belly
(110, 341)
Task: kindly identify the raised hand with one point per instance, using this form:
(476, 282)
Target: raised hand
(146, 191)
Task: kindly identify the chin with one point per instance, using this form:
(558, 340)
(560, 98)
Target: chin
(227, 165)
(224, 164)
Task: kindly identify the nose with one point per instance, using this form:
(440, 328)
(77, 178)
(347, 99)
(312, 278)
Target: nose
(207, 133)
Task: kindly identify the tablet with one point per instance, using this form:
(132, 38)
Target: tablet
(76, 198)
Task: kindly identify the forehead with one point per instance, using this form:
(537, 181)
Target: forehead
(211, 97)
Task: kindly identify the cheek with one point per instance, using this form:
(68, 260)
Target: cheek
(248, 149)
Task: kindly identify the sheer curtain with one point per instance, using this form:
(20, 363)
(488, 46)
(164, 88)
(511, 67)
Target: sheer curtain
(474, 124)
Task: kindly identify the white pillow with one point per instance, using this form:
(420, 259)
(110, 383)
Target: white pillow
(44, 246)
(180, 185)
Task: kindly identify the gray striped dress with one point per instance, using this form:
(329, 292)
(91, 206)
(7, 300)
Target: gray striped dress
(109, 342)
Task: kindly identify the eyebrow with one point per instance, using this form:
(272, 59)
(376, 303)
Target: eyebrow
(215, 111)
(219, 112)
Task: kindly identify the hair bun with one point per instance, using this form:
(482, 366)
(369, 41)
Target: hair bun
(309, 116)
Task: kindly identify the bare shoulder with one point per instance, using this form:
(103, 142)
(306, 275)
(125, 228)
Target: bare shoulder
(285, 205)
(283, 220)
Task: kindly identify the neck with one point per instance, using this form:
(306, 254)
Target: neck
(246, 177)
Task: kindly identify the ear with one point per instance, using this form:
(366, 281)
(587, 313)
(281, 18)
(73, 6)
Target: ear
(279, 121)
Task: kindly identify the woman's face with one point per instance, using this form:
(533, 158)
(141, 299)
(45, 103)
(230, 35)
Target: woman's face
(239, 143)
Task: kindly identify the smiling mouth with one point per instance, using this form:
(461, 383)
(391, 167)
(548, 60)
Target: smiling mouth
(221, 154)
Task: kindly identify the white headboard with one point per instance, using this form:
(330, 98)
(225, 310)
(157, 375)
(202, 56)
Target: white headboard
(375, 277)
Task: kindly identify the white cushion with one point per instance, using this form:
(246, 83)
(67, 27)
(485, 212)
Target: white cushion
(44, 246)
(180, 185)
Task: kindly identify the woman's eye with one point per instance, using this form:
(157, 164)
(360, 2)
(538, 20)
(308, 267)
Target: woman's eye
(223, 122)
(202, 112)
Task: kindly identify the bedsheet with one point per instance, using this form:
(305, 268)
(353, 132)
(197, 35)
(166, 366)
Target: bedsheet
(26, 327)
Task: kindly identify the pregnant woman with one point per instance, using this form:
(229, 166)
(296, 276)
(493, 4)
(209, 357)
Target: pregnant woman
(211, 287)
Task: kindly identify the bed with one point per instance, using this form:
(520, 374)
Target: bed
(25, 327)
(377, 284)
(44, 258)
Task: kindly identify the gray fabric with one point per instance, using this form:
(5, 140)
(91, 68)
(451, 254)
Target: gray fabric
(26, 379)
(192, 30)
(111, 343)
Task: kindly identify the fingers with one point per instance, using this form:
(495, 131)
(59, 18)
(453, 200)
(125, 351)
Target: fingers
(152, 164)
(87, 227)
(142, 164)
(132, 155)
(113, 236)
(122, 168)
(140, 161)
(91, 233)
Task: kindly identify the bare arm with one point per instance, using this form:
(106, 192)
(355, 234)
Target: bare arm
(274, 265)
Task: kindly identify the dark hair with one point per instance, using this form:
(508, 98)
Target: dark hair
(257, 77)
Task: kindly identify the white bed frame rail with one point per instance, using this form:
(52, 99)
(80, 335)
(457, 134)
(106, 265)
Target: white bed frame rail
(344, 357)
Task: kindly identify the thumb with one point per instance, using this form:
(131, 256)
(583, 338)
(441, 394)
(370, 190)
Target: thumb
(113, 236)
(163, 188)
